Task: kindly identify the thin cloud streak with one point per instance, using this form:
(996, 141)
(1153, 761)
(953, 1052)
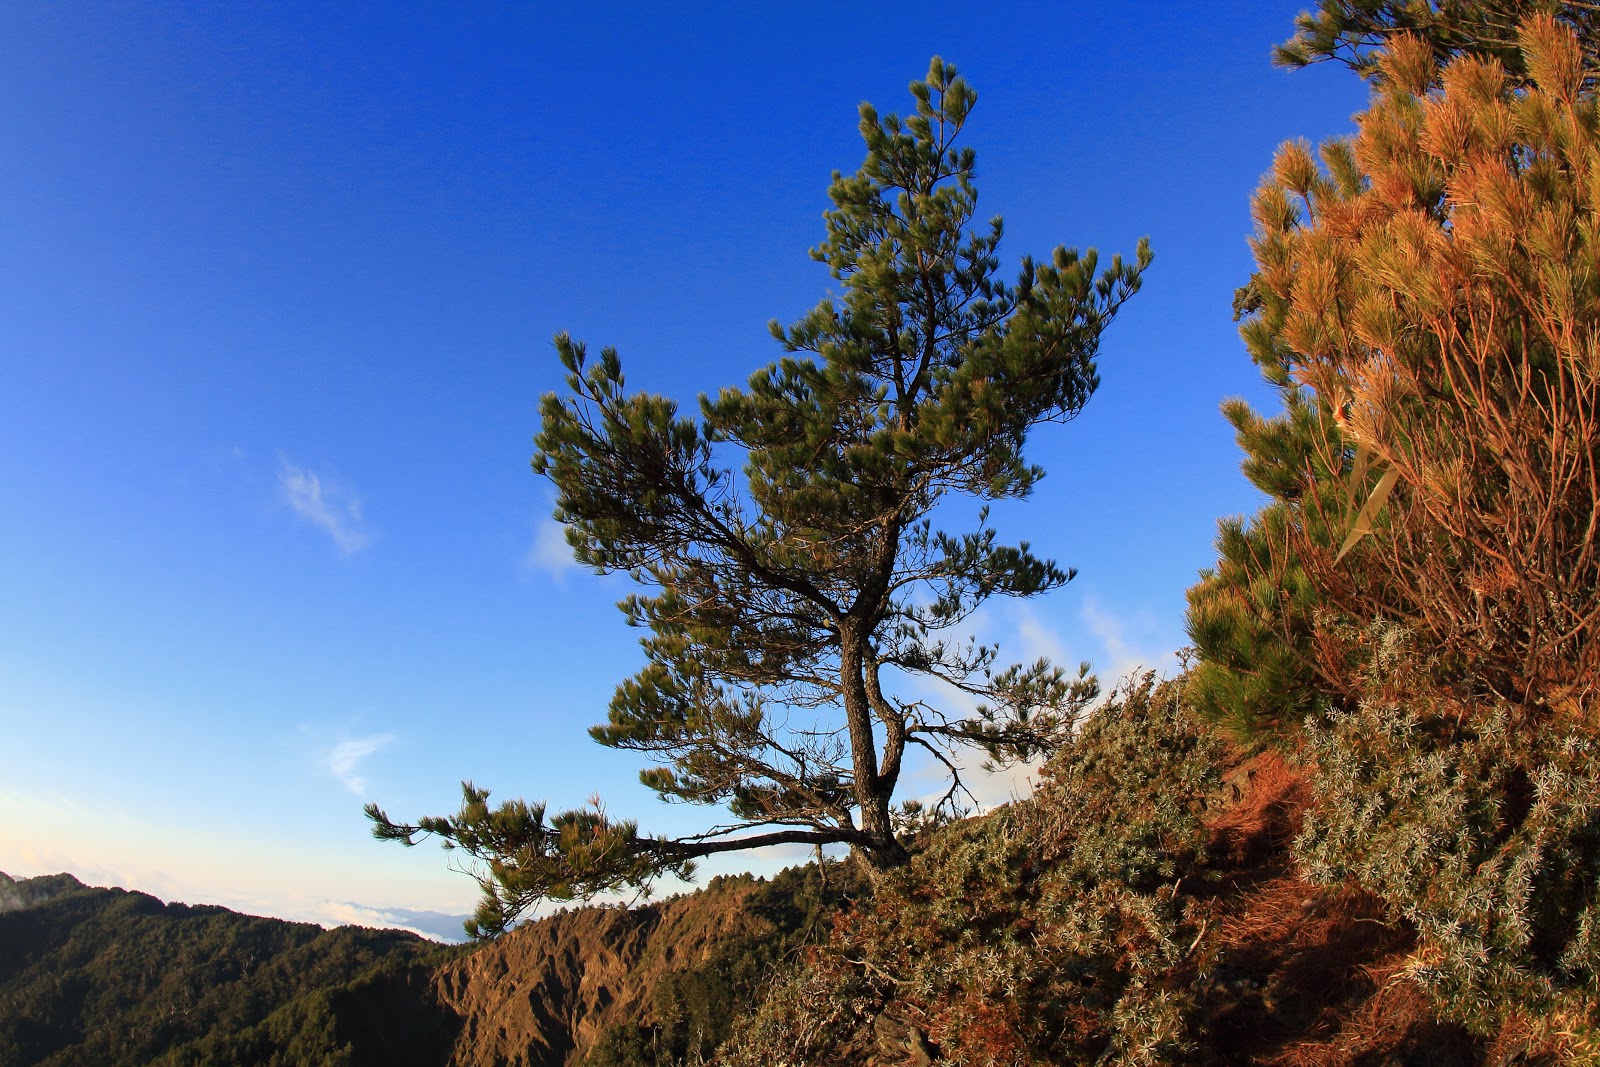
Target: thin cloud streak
(435, 925)
(550, 552)
(348, 754)
(334, 511)
(1125, 655)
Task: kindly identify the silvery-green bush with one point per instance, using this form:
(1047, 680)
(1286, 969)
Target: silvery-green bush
(1481, 829)
(1046, 932)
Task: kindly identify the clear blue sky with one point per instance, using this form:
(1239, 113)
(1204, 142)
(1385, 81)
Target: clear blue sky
(277, 284)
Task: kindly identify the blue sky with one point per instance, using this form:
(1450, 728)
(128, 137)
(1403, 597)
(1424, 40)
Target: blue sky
(277, 285)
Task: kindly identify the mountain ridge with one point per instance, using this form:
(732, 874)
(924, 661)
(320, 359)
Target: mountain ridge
(113, 976)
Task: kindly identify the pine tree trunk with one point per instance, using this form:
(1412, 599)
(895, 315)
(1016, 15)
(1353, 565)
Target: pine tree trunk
(873, 792)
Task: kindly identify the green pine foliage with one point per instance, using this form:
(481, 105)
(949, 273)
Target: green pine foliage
(1355, 32)
(791, 602)
(1251, 617)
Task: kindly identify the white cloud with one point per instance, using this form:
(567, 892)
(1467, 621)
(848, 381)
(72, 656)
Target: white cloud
(550, 552)
(1036, 639)
(984, 789)
(1126, 650)
(347, 754)
(1002, 785)
(335, 511)
(1117, 645)
(437, 925)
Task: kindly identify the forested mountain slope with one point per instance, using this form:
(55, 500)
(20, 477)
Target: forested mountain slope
(111, 977)
(106, 976)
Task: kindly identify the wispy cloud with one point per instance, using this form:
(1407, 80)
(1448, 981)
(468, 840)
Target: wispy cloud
(549, 553)
(1035, 639)
(1116, 645)
(330, 508)
(1002, 785)
(346, 756)
(1130, 644)
(984, 788)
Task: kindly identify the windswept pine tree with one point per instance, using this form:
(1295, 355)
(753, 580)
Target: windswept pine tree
(790, 599)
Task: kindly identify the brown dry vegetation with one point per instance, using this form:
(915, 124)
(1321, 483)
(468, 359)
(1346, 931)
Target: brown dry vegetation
(1302, 975)
(546, 992)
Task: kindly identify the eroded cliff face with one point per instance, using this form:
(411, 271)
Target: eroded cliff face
(542, 995)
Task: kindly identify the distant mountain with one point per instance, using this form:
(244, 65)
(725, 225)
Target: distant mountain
(15, 895)
(111, 977)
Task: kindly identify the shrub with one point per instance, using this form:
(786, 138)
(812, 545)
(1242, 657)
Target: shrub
(1044, 932)
(1483, 835)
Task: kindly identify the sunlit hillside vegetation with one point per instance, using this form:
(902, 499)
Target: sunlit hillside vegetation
(1361, 826)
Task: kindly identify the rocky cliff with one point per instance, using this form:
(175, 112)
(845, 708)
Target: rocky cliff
(543, 995)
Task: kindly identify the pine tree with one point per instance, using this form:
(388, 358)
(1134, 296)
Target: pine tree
(1427, 302)
(788, 601)
(1355, 32)
(1446, 304)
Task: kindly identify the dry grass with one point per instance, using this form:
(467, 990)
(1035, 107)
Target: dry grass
(1297, 975)
(1267, 796)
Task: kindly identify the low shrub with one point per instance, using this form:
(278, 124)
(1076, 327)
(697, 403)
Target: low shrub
(1482, 833)
(1045, 932)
